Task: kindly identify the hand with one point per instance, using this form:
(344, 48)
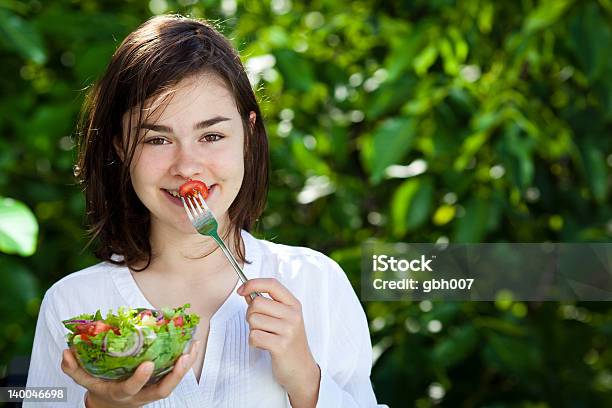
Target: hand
(277, 325)
(132, 392)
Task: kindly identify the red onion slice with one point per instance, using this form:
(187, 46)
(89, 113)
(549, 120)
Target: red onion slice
(78, 321)
(156, 313)
(131, 351)
(140, 341)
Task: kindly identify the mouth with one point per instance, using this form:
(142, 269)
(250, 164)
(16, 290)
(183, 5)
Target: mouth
(174, 197)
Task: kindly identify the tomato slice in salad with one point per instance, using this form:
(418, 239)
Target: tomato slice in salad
(193, 187)
(178, 321)
(92, 329)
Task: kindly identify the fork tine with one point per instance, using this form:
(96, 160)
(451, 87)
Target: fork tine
(198, 211)
(194, 212)
(189, 214)
(204, 205)
(194, 207)
(205, 223)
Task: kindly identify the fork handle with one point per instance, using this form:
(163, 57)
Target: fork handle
(233, 262)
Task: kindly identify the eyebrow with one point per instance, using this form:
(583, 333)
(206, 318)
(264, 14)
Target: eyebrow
(200, 125)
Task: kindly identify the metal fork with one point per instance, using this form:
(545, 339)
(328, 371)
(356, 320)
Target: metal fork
(204, 221)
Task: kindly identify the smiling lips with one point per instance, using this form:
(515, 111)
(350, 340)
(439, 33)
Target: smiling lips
(190, 187)
(193, 188)
(174, 193)
(175, 197)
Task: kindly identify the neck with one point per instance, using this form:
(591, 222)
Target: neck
(182, 256)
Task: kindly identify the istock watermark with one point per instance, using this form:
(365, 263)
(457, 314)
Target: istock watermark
(530, 272)
(383, 263)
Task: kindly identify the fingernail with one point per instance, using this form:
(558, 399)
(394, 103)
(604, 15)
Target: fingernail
(67, 365)
(240, 289)
(185, 360)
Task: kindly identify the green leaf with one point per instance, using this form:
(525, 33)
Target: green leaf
(596, 172)
(21, 36)
(18, 228)
(461, 46)
(511, 355)
(485, 18)
(444, 214)
(389, 143)
(390, 97)
(308, 162)
(47, 125)
(411, 205)
(402, 54)
(516, 151)
(456, 347)
(19, 287)
(425, 59)
(502, 326)
(274, 36)
(296, 70)
(449, 59)
(470, 146)
(591, 40)
(92, 61)
(547, 13)
(472, 227)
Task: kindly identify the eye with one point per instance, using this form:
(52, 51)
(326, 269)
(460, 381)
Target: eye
(212, 137)
(156, 141)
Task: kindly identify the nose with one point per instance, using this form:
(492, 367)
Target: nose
(187, 163)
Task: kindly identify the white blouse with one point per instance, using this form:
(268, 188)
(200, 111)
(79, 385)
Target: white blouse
(234, 374)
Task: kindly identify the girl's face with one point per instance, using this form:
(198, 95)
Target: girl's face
(194, 133)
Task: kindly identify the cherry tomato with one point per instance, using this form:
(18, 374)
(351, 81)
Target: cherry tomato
(145, 313)
(193, 187)
(94, 328)
(85, 338)
(178, 321)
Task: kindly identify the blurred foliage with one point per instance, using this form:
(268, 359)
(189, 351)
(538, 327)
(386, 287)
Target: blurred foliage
(18, 228)
(422, 121)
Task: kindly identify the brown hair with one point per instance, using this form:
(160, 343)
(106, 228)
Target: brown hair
(156, 56)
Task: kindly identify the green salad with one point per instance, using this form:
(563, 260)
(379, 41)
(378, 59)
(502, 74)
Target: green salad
(112, 348)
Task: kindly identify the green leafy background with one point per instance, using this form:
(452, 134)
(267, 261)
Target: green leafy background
(423, 121)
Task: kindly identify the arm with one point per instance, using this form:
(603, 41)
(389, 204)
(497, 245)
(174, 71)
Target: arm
(53, 365)
(345, 376)
(277, 325)
(46, 358)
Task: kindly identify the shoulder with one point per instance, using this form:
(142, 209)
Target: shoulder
(80, 288)
(293, 257)
(288, 253)
(329, 302)
(90, 276)
(297, 265)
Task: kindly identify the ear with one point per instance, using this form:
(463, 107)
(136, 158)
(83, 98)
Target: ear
(117, 145)
(252, 119)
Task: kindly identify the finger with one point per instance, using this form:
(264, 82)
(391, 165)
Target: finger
(264, 340)
(71, 368)
(118, 390)
(258, 321)
(268, 307)
(164, 388)
(135, 383)
(271, 286)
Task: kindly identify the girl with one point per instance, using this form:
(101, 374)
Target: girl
(175, 103)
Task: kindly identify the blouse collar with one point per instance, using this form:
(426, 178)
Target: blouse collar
(131, 293)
